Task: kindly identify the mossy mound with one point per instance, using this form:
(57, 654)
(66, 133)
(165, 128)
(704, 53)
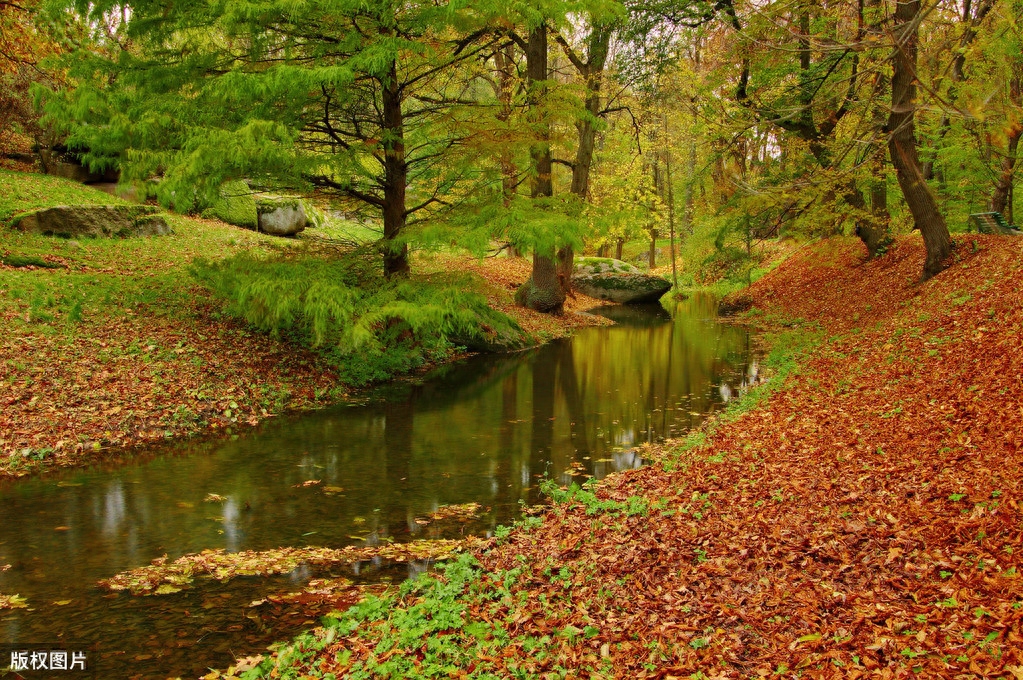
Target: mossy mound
(600, 265)
(236, 205)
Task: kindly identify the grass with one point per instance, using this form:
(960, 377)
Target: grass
(24, 192)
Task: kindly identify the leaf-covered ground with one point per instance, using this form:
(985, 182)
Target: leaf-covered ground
(863, 520)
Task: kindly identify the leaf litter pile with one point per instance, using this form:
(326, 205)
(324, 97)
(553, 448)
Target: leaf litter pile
(863, 520)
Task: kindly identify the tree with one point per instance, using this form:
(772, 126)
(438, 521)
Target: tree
(359, 99)
(543, 291)
(902, 142)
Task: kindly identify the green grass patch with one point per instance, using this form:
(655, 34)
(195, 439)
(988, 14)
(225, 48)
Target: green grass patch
(23, 192)
(424, 630)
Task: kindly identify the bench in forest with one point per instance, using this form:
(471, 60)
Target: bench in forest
(993, 223)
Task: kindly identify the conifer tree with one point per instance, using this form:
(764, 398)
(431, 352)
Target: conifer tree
(354, 98)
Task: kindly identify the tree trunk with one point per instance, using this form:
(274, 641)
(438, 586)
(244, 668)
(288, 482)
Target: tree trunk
(543, 291)
(619, 244)
(671, 215)
(505, 62)
(902, 144)
(652, 259)
(1007, 176)
(396, 261)
(1001, 196)
(592, 73)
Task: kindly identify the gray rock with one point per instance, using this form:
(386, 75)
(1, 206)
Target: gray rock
(601, 265)
(95, 221)
(617, 281)
(281, 218)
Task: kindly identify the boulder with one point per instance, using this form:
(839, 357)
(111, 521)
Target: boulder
(493, 340)
(608, 279)
(281, 217)
(75, 221)
(735, 303)
(236, 205)
(601, 265)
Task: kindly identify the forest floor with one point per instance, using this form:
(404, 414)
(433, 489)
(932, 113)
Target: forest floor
(857, 516)
(110, 344)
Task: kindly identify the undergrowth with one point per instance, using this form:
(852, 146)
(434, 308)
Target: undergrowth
(366, 326)
(423, 630)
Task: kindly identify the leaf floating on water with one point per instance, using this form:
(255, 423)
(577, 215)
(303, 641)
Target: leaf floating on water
(463, 512)
(308, 482)
(163, 577)
(358, 520)
(167, 589)
(61, 603)
(333, 489)
(12, 602)
(5, 567)
(214, 498)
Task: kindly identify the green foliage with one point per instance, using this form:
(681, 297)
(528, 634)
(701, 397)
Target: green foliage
(421, 631)
(235, 205)
(575, 494)
(369, 327)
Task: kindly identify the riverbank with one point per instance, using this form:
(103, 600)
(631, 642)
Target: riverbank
(111, 344)
(860, 517)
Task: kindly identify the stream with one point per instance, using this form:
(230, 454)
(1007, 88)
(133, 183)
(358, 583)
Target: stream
(486, 430)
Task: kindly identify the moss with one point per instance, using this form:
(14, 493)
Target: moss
(617, 281)
(236, 206)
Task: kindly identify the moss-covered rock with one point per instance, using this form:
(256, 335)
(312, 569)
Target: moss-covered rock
(236, 206)
(93, 221)
(281, 216)
(608, 279)
(599, 265)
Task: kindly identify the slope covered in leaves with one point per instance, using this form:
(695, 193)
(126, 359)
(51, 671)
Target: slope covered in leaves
(863, 521)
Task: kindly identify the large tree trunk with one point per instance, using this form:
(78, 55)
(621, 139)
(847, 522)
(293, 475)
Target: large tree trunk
(396, 262)
(543, 291)
(592, 73)
(902, 143)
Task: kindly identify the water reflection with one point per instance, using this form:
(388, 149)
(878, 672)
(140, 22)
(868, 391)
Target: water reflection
(484, 430)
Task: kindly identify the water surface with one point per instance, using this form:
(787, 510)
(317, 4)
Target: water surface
(482, 430)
